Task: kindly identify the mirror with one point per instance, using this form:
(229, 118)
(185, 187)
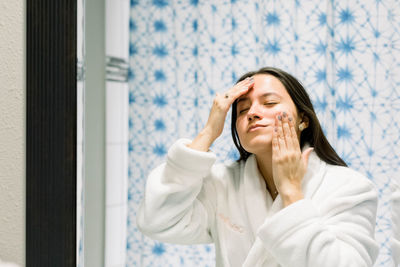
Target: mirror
(181, 54)
(359, 60)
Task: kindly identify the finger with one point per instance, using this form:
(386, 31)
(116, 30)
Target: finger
(240, 88)
(231, 97)
(248, 80)
(281, 138)
(245, 83)
(293, 133)
(275, 144)
(306, 155)
(286, 131)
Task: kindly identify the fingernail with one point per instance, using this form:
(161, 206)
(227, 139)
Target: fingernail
(284, 114)
(279, 117)
(275, 129)
(290, 118)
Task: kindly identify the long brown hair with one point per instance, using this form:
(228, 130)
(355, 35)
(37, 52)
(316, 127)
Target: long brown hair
(313, 134)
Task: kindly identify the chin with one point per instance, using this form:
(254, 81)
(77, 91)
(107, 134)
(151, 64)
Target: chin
(257, 143)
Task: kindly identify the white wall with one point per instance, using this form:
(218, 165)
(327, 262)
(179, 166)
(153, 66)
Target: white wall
(12, 131)
(94, 132)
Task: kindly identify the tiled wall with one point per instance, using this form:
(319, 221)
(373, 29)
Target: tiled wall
(117, 103)
(346, 53)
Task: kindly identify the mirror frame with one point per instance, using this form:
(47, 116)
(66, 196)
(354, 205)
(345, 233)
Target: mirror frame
(51, 132)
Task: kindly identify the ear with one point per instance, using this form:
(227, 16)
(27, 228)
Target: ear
(305, 121)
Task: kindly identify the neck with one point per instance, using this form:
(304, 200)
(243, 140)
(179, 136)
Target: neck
(264, 163)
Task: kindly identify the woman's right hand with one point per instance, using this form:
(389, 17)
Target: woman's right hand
(215, 123)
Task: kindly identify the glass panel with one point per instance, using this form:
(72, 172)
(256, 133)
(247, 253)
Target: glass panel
(80, 135)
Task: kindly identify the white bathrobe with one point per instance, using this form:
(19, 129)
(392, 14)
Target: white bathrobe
(190, 200)
(395, 239)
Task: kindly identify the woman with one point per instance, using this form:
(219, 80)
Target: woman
(288, 201)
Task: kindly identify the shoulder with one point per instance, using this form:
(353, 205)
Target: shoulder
(346, 175)
(347, 181)
(230, 170)
(343, 189)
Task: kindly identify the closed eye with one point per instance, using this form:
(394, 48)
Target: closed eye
(270, 103)
(243, 111)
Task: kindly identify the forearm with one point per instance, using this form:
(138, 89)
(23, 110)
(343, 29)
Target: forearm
(203, 141)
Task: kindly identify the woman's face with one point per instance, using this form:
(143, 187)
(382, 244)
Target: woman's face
(257, 110)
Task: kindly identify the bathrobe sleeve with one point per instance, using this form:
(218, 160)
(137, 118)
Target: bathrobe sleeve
(339, 233)
(178, 205)
(395, 239)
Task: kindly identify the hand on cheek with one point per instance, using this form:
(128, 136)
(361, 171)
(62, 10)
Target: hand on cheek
(289, 164)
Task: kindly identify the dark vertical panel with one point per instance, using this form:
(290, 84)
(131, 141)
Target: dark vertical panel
(51, 133)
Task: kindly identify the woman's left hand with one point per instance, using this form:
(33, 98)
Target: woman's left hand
(289, 164)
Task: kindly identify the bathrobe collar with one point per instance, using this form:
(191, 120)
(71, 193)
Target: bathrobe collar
(259, 204)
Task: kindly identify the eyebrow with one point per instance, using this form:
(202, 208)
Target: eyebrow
(263, 95)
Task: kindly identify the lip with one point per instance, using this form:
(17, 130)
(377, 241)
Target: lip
(256, 127)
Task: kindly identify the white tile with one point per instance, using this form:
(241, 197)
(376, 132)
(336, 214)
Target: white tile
(116, 174)
(117, 28)
(116, 113)
(125, 8)
(115, 240)
(124, 102)
(112, 23)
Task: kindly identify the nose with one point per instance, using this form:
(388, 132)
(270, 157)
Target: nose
(253, 113)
